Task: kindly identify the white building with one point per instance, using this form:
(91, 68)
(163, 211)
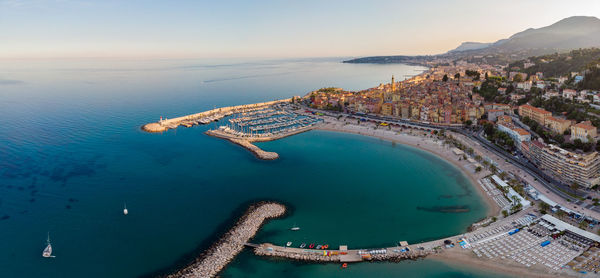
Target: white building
(518, 134)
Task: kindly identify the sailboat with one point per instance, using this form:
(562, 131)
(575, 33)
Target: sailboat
(125, 212)
(48, 250)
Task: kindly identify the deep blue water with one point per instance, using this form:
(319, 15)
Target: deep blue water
(71, 153)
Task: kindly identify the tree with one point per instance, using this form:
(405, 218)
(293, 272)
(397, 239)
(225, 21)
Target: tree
(478, 169)
(468, 123)
(445, 78)
(518, 78)
(505, 213)
(457, 76)
(493, 168)
(574, 186)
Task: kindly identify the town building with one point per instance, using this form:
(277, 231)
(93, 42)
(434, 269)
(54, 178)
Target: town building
(493, 114)
(566, 166)
(557, 125)
(519, 135)
(537, 114)
(503, 119)
(583, 131)
(569, 94)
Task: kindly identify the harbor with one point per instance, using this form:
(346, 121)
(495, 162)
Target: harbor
(245, 124)
(209, 116)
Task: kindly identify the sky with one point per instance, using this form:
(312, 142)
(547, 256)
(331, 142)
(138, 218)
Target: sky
(31, 29)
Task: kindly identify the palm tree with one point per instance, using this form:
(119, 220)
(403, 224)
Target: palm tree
(493, 168)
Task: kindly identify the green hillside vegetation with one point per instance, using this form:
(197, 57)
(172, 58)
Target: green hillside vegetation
(556, 65)
(591, 80)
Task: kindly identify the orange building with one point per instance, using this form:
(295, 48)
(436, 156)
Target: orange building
(537, 114)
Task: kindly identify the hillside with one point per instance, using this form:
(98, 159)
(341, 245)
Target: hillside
(465, 46)
(567, 34)
(560, 64)
(555, 65)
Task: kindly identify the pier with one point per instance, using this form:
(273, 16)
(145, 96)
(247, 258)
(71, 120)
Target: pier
(211, 262)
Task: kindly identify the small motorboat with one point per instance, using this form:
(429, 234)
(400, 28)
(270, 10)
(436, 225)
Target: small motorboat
(344, 265)
(319, 246)
(288, 244)
(302, 245)
(325, 246)
(295, 228)
(125, 211)
(311, 246)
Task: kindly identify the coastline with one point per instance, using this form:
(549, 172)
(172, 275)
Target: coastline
(421, 143)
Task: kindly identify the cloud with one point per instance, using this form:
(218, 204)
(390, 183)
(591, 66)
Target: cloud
(11, 82)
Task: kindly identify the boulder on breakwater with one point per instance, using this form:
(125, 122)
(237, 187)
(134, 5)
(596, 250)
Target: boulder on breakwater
(213, 260)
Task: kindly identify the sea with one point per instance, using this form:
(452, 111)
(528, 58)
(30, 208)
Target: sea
(72, 155)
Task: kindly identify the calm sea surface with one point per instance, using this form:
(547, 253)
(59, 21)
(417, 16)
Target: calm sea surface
(72, 153)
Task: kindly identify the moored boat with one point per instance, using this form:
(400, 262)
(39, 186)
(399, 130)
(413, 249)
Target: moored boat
(302, 245)
(288, 244)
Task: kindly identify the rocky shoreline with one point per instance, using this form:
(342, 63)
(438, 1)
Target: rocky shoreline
(213, 260)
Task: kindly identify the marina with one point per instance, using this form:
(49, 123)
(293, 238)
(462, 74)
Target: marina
(249, 123)
(209, 116)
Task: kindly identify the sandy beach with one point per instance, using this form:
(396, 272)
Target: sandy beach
(461, 257)
(422, 140)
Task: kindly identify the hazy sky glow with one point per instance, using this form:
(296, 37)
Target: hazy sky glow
(307, 28)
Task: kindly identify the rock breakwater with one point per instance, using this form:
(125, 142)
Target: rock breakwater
(211, 262)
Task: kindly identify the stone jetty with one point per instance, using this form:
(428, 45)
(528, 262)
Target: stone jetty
(211, 262)
(246, 142)
(255, 150)
(207, 116)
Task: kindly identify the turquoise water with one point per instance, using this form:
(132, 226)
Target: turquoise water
(71, 153)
